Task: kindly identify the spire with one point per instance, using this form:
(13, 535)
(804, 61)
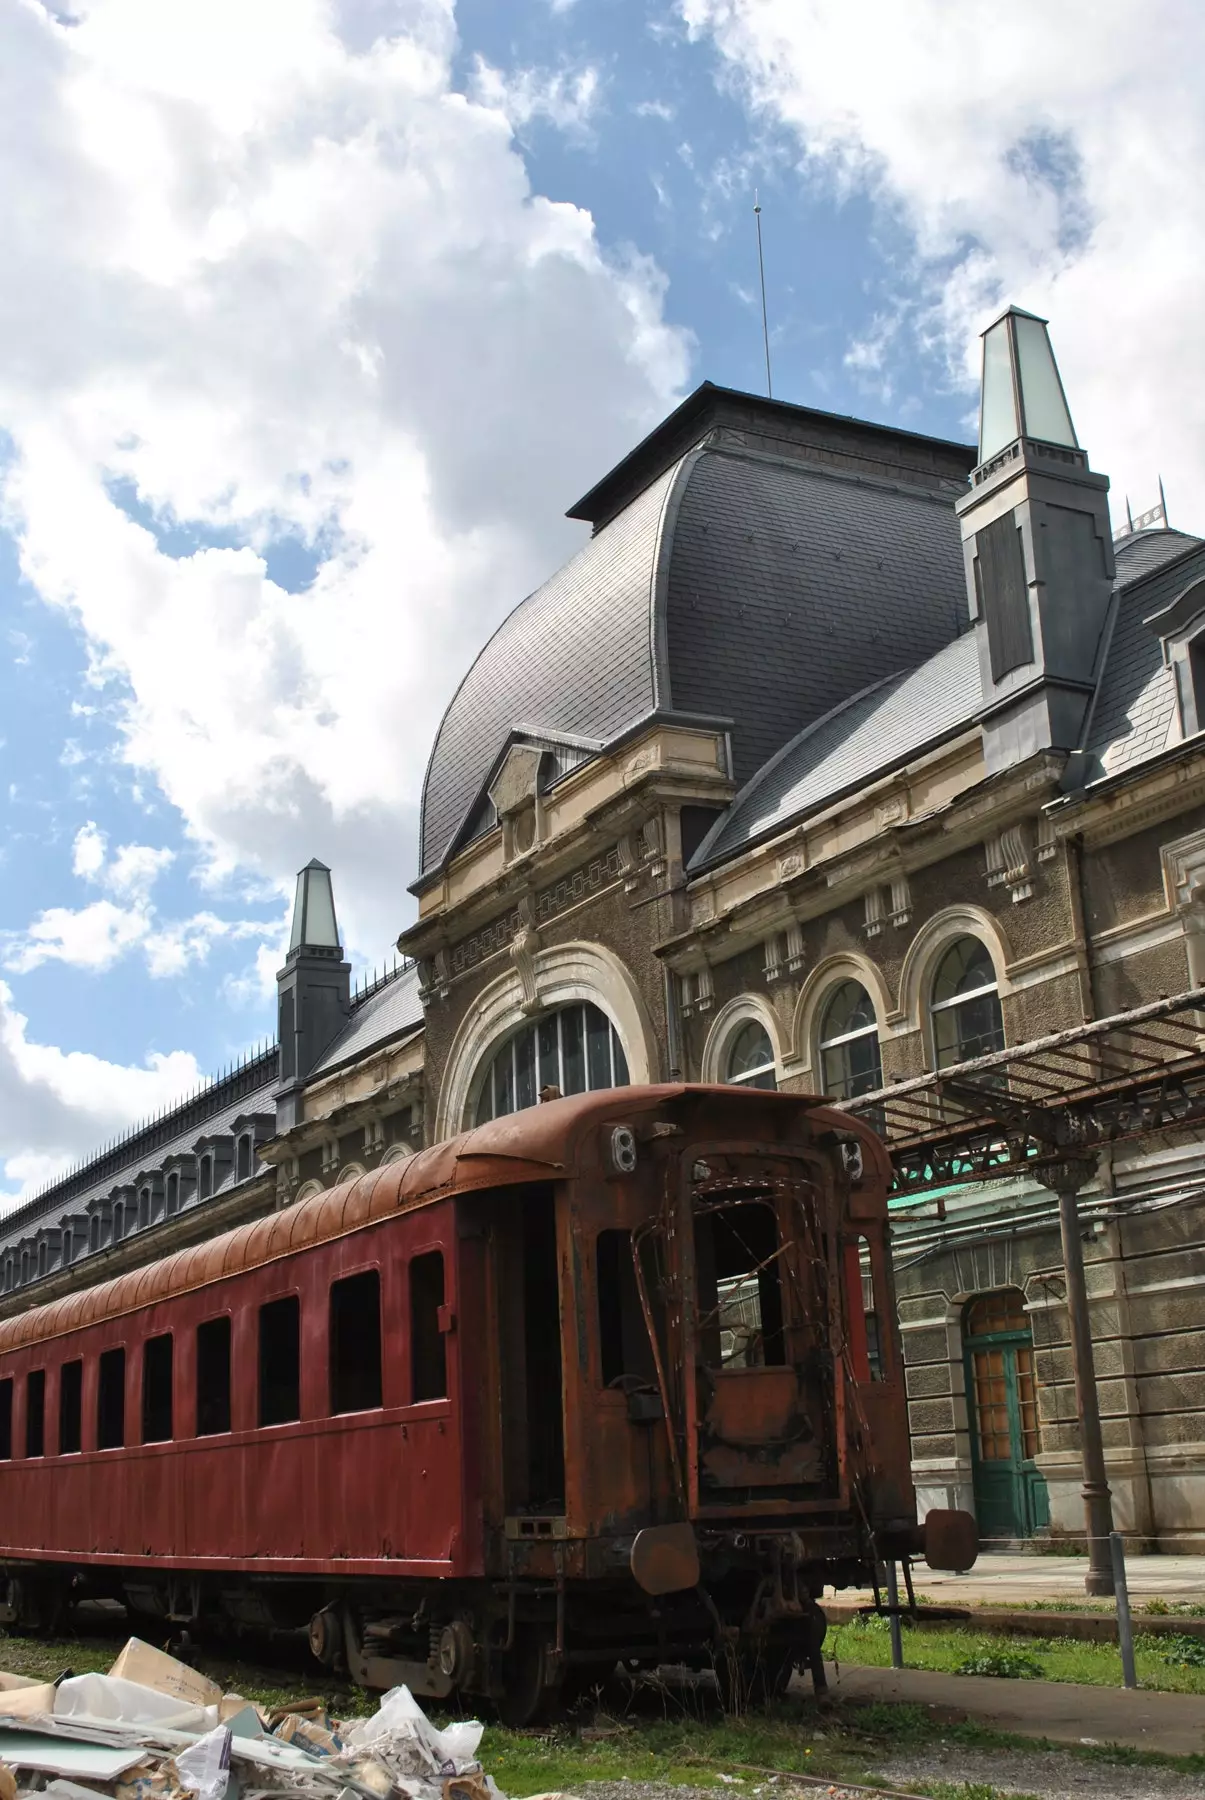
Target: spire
(1037, 541)
(1022, 395)
(314, 924)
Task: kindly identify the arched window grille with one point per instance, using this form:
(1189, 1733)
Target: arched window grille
(750, 1060)
(850, 1063)
(572, 1050)
(965, 1007)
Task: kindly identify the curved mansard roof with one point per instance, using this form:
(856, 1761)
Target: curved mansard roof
(752, 563)
(862, 738)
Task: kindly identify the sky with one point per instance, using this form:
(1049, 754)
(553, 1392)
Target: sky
(316, 315)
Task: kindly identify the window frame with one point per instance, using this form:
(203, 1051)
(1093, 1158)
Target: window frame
(826, 1044)
(529, 1030)
(749, 1077)
(262, 1424)
(954, 1001)
(346, 1412)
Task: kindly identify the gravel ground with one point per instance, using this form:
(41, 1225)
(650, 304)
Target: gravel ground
(1048, 1774)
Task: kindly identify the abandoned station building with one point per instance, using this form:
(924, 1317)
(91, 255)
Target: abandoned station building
(837, 759)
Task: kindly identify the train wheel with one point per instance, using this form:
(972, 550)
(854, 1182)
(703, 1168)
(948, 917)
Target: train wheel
(38, 1603)
(527, 1695)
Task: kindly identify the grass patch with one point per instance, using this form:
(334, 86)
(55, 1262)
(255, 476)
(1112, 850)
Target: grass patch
(1174, 1666)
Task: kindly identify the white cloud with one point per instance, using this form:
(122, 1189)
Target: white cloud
(56, 1106)
(1049, 155)
(96, 936)
(566, 98)
(88, 851)
(277, 281)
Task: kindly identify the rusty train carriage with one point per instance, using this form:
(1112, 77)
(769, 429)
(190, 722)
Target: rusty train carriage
(591, 1382)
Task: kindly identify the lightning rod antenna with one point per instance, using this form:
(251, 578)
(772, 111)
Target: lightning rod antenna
(761, 270)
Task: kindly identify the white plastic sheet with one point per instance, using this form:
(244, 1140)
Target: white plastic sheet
(111, 1697)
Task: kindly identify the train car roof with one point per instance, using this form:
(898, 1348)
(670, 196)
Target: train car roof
(537, 1144)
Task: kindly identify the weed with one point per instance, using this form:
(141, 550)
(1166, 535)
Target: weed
(1014, 1665)
(1175, 1648)
(972, 1790)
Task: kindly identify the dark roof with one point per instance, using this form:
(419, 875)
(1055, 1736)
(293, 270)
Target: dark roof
(576, 656)
(903, 454)
(757, 580)
(865, 737)
(790, 588)
(393, 1010)
(1135, 705)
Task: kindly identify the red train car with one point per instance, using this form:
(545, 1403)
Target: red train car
(615, 1378)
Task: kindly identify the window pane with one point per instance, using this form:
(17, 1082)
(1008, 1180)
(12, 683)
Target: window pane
(35, 1413)
(428, 1352)
(622, 1078)
(6, 1418)
(280, 1361)
(525, 1068)
(853, 1067)
(111, 1400)
(574, 1048)
(550, 1057)
(598, 1047)
(213, 1377)
(504, 1081)
(751, 1057)
(356, 1343)
(71, 1408)
(965, 966)
(850, 1009)
(157, 1389)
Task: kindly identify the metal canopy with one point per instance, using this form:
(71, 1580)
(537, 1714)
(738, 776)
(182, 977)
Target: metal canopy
(1014, 1111)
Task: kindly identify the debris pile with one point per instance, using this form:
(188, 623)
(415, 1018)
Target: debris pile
(155, 1729)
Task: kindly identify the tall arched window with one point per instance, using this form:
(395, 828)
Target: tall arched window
(849, 1043)
(965, 1008)
(750, 1061)
(572, 1050)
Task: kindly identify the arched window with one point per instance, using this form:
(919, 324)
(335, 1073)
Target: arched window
(572, 1049)
(850, 1063)
(750, 1060)
(967, 1020)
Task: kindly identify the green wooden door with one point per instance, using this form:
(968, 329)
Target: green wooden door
(1010, 1495)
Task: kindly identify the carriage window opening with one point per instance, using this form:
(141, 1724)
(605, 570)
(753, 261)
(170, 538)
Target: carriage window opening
(740, 1296)
(71, 1408)
(111, 1400)
(428, 1347)
(35, 1413)
(157, 1389)
(356, 1343)
(625, 1355)
(870, 1313)
(213, 1377)
(280, 1361)
(6, 1418)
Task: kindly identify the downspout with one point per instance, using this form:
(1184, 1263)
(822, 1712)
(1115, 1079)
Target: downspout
(1073, 848)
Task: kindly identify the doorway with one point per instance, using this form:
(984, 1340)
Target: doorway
(528, 1287)
(1011, 1501)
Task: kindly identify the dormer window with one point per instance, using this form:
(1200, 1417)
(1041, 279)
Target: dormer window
(244, 1156)
(1180, 628)
(173, 1193)
(206, 1182)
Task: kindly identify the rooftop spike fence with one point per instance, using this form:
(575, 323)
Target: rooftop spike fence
(256, 1070)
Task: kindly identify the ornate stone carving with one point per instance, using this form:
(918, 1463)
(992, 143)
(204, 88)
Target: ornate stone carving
(524, 945)
(1009, 861)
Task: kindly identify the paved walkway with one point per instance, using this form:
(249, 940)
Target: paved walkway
(1060, 1710)
(1009, 1580)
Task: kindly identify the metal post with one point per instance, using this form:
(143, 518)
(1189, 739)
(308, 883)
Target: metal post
(1125, 1625)
(1066, 1179)
(893, 1601)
